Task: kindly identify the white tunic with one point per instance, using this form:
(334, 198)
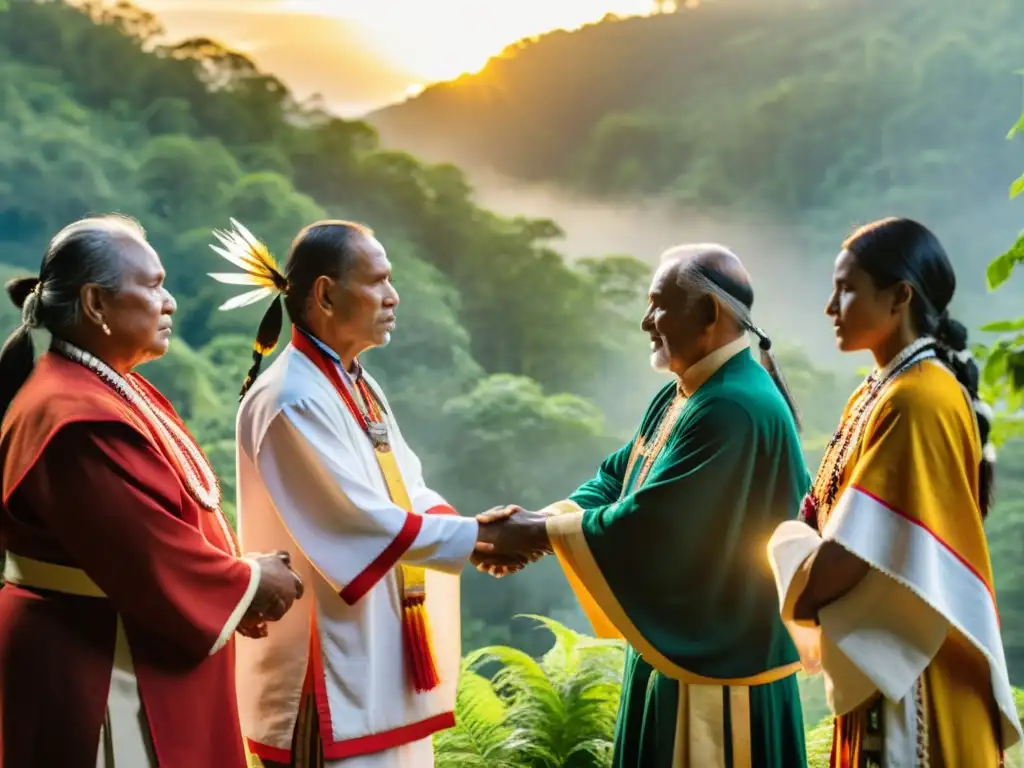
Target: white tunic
(309, 483)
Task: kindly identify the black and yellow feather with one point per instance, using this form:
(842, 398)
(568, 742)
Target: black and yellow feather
(240, 247)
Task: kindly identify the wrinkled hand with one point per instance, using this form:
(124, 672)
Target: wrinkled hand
(509, 539)
(279, 587)
(253, 626)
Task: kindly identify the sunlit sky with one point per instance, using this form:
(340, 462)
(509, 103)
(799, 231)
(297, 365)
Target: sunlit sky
(415, 41)
(439, 39)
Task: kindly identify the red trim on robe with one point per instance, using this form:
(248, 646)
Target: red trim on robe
(365, 580)
(72, 638)
(356, 589)
(364, 745)
(396, 737)
(441, 509)
(384, 562)
(274, 754)
(355, 746)
(920, 524)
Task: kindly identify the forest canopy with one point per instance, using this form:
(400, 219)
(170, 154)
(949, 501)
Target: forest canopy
(513, 371)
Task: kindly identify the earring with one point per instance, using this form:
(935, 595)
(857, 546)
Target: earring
(106, 329)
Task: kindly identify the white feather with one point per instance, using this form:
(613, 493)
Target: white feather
(989, 453)
(227, 239)
(234, 278)
(234, 258)
(241, 248)
(246, 235)
(245, 299)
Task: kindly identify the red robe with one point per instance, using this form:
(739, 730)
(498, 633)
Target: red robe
(87, 484)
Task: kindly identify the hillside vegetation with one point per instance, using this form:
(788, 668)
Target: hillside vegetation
(513, 372)
(817, 113)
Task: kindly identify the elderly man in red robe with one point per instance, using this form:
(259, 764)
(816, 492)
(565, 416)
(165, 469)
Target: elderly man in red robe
(124, 583)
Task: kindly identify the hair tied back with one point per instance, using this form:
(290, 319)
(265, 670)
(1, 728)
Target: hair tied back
(260, 270)
(951, 333)
(20, 288)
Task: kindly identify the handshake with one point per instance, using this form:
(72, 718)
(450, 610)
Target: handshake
(508, 539)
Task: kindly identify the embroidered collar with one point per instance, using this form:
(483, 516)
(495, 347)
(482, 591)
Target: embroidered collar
(696, 375)
(352, 376)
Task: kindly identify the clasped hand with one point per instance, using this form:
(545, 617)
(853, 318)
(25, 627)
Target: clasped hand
(508, 539)
(279, 587)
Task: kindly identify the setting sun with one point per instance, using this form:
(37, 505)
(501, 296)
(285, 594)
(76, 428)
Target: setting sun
(442, 39)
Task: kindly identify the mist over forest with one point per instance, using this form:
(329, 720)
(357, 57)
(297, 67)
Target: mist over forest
(773, 127)
(523, 209)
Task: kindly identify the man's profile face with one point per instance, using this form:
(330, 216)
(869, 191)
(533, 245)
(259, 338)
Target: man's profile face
(365, 298)
(676, 320)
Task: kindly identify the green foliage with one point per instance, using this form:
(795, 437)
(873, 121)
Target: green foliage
(851, 97)
(506, 427)
(512, 371)
(548, 713)
(1002, 375)
(493, 325)
(817, 113)
(1000, 269)
(560, 711)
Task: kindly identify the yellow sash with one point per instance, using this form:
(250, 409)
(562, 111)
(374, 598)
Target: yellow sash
(415, 627)
(35, 574)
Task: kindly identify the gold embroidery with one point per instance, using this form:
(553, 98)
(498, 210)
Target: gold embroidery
(639, 449)
(651, 451)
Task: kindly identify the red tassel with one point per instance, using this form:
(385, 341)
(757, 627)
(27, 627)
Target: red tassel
(429, 677)
(418, 653)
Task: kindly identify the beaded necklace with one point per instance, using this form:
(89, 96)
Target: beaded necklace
(818, 504)
(200, 478)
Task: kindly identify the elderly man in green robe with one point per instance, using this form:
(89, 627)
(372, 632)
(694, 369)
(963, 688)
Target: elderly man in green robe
(665, 546)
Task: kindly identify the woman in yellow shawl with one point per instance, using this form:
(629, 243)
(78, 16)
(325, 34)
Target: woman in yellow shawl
(886, 583)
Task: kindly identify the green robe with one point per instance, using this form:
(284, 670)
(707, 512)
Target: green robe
(673, 554)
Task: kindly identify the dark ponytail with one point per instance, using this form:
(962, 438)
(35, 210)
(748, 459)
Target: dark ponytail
(772, 366)
(896, 250)
(267, 336)
(18, 354)
(952, 350)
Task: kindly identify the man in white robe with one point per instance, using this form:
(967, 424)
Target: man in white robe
(322, 467)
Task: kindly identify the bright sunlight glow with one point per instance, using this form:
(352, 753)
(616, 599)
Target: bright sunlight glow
(442, 39)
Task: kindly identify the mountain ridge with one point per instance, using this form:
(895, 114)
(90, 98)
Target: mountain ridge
(813, 117)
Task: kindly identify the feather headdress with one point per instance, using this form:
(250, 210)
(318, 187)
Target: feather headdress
(240, 247)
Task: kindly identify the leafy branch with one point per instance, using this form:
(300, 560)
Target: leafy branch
(1002, 375)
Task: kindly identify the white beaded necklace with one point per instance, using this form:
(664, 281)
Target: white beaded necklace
(847, 437)
(205, 489)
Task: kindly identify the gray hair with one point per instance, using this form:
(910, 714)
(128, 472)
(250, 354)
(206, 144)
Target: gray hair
(737, 298)
(87, 251)
(693, 275)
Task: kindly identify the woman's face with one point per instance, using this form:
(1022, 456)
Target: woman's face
(139, 314)
(864, 316)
